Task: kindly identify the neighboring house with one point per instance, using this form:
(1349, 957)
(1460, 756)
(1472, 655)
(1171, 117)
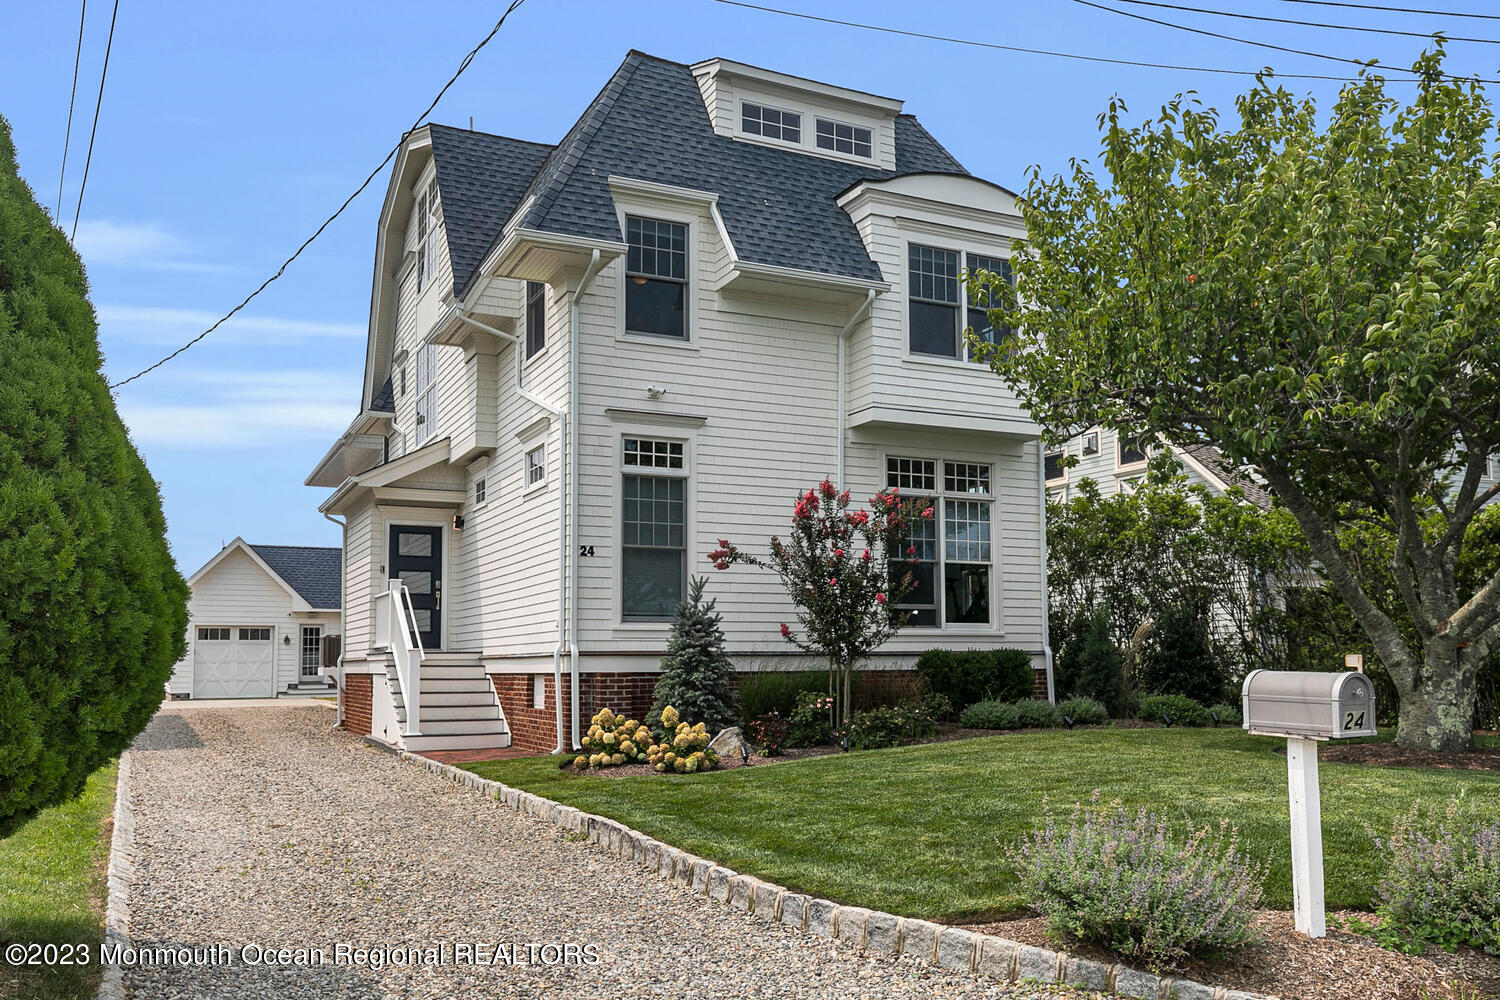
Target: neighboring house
(1115, 463)
(588, 362)
(257, 619)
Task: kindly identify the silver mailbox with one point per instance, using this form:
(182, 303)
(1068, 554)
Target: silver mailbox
(1309, 704)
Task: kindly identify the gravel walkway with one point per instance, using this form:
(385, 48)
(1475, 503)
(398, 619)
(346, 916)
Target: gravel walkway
(263, 827)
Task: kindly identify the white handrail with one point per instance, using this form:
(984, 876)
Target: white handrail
(407, 651)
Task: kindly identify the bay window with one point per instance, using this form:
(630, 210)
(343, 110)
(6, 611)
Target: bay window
(951, 556)
(938, 306)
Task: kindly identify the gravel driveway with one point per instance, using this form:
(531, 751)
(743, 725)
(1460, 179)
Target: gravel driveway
(263, 827)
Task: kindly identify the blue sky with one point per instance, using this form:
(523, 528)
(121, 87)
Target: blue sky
(229, 131)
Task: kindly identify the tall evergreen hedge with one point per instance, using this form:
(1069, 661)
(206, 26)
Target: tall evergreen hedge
(92, 608)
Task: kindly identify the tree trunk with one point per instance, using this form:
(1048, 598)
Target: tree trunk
(1437, 707)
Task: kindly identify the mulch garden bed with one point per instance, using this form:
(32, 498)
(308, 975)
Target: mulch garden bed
(1289, 966)
(1390, 755)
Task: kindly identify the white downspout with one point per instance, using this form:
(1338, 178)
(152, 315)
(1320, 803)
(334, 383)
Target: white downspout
(343, 590)
(595, 266)
(562, 540)
(859, 315)
(1041, 475)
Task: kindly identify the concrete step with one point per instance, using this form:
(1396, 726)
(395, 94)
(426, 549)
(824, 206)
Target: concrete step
(481, 741)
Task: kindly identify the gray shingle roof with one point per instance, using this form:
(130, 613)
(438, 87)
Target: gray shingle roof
(312, 571)
(649, 123)
(481, 179)
(1210, 457)
(384, 400)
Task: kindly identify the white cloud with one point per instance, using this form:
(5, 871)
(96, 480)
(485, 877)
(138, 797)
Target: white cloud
(167, 326)
(208, 407)
(144, 245)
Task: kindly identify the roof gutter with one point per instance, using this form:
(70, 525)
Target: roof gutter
(858, 317)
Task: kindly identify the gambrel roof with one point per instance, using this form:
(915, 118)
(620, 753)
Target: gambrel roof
(649, 123)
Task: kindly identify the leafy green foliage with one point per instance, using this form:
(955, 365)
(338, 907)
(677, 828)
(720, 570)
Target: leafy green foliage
(1442, 880)
(1319, 301)
(1173, 709)
(1228, 713)
(1179, 658)
(810, 724)
(1083, 711)
(970, 675)
(764, 691)
(893, 725)
(94, 611)
(696, 674)
(1027, 713)
(1091, 666)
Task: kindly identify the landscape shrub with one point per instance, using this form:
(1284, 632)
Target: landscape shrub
(769, 734)
(765, 691)
(970, 675)
(892, 725)
(1228, 713)
(696, 674)
(1083, 711)
(1130, 882)
(682, 748)
(808, 724)
(1177, 709)
(1179, 656)
(1091, 664)
(613, 741)
(1037, 713)
(1441, 882)
(990, 715)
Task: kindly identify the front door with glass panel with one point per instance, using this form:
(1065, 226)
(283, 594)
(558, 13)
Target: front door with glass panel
(417, 561)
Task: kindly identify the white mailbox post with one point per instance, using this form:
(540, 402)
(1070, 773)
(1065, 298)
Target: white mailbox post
(1305, 707)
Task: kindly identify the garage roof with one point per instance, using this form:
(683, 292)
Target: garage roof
(314, 572)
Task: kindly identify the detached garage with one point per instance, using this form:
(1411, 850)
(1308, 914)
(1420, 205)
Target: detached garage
(257, 620)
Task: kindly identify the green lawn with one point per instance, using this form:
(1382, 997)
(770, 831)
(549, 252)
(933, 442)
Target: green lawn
(923, 831)
(52, 890)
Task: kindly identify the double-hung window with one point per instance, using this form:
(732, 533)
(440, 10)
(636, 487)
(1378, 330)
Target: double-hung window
(536, 318)
(1053, 460)
(937, 301)
(653, 558)
(426, 388)
(427, 225)
(536, 466)
(771, 123)
(1129, 450)
(951, 556)
(841, 137)
(656, 277)
(982, 299)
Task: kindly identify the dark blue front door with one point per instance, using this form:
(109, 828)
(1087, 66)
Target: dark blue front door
(416, 559)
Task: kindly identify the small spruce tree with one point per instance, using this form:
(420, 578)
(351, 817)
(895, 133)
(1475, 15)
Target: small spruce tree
(1093, 664)
(696, 672)
(1179, 658)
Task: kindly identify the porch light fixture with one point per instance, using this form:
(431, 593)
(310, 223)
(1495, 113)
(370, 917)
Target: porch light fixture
(286, 640)
(458, 522)
(655, 391)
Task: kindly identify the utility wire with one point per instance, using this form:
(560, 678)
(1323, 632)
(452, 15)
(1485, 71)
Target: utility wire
(1309, 24)
(68, 134)
(1371, 63)
(1395, 10)
(463, 65)
(94, 129)
(1034, 52)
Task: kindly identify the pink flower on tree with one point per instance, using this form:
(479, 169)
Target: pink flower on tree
(879, 598)
(927, 513)
(838, 553)
(786, 633)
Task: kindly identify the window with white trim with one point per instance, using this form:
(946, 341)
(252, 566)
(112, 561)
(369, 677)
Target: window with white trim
(841, 137)
(1052, 461)
(213, 634)
(656, 277)
(536, 318)
(951, 555)
(426, 388)
(479, 491)
(255, 635)
(770, 123)
(312, 651)
(653, 522)
(538, 691)
(536, 466)
(1091, 443)
(427, 227)
(1129, 450)
(938, 307)
(982, 299)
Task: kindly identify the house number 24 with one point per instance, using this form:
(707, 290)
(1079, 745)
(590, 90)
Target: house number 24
(585, 551)
(1353, 720)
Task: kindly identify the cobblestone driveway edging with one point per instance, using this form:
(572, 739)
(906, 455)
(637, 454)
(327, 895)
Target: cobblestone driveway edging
(118, 877)
(866, 930)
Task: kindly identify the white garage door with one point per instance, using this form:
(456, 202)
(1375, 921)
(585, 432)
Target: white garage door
(233, 662)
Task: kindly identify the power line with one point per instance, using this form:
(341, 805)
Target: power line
(1309, 24)
(1033, 52)
(1395, 10)
(1370, 63)
(463, 65)
(68, 134)
(94, 129)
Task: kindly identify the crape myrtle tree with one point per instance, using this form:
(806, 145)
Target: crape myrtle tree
(845, 571)
(1320, 302)
(92, 609)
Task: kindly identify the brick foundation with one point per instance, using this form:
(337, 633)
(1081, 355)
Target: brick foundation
(1039, 684)
(535, 729)
(358, 689)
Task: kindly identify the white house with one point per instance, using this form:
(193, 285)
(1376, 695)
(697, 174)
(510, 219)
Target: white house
(588, 362)
(257, 619)
(1115, 462)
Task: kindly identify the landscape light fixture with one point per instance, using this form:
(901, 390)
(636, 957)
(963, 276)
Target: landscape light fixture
(1166, 720)
(844, 743)
(1215, 716)
(745, 754)
(1068, 721)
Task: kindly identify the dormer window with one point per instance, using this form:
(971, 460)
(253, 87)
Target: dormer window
(427, 223)
(936, 297)
(656, 282)
(843, 138)
(771, 123)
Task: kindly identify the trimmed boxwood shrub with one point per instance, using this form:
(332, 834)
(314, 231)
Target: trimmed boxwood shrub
(970, 675)
(1180, 710)
(990, 715)
(1036, 713)
(1083, 711)
(1229, 715)
(94, 613)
